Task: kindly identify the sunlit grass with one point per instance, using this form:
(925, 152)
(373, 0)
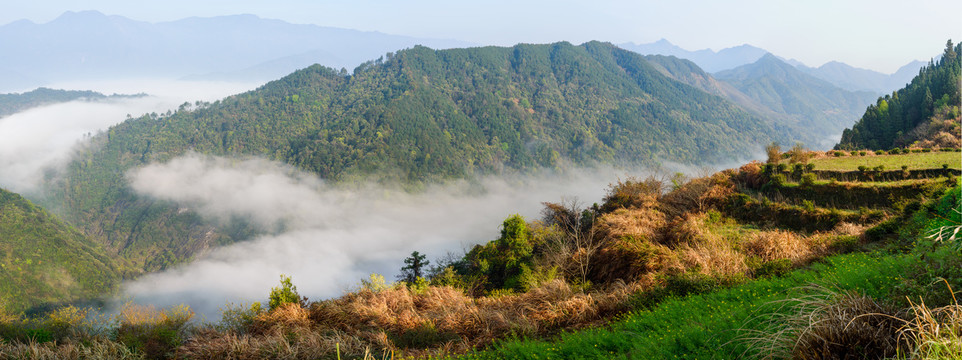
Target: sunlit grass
(704, 326)
(914, 161)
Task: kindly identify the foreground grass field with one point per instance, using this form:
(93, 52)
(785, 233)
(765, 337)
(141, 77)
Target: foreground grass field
(737, 322)
(706, 326)
(914, 161)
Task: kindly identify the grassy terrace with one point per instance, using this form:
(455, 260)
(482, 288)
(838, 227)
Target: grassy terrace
(931, 160)
(706, 326)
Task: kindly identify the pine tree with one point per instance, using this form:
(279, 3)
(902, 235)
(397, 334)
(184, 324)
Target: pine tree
(413, 267)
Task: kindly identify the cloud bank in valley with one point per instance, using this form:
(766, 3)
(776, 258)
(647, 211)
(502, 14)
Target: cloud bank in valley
(332, 236)
(43, 138)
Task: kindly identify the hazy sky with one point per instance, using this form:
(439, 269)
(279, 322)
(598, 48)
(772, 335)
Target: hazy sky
(876, 34)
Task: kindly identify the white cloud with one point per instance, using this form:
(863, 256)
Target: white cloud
(334, 236)
(44, 138)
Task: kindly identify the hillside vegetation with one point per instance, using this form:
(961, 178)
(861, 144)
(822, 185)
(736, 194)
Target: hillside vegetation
(679, 264)
(14, 103)
(924, 113)
(416, 116)
(44, 261)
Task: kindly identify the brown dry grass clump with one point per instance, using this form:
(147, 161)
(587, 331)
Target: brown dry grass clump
(637, 223)
(630, 259)
(829, 325)
(935, 333)
(439, 320)
(751, 175)
(702, 250)
(96, 349)
(779, 244)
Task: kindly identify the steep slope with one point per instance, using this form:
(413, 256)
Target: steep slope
(689, 73)
(902, 118)
(817, 104)
(418, 115)
(91, 45)
(45, 261)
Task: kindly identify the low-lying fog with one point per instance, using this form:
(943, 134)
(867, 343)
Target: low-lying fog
(333, 236)
(327, 238)
(43, 138)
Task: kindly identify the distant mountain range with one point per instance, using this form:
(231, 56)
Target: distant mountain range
(91, 45)
(815, 103)
(839, 74)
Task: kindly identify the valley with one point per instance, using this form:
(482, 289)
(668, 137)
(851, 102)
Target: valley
(420, 197)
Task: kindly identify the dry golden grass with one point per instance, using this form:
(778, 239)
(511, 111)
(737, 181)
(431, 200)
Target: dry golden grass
(628, 259)
(384, 321)
(714, 257)
(636, 223)
(827, 324)
(779, 244)
(91, 350)
(935, 333)
(751, 175)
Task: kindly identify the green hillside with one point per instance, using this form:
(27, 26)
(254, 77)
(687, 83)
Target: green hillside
(759, 262)
(925, 111)
(45, 261)
(816, 104)
(13, 103)
(414, 116)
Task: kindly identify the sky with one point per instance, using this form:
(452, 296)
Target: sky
(881, 35)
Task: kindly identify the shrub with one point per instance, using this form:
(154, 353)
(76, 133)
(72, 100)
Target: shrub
(376, 283)
(773, 151)
(239, 318)
(797, 169)
(782, 167)
(925, 150)
(879, 168)
(945, 166)
(631, 193)
(880, 152)
(807, 180)
(862, 153)
(809, 167)
(862, 168)
(778, 180)
(853, 152)
(156, 334)
(285, 294)
(798, 154)
(838, 153)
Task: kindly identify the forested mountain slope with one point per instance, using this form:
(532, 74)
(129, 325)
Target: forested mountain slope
(417, 115)
(929, 102)
(16, 102)
(816, 104)
(44, 260)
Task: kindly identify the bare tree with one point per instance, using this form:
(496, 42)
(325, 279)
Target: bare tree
(577, 242)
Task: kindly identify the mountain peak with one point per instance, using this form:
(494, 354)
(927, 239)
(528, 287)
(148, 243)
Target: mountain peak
(85, 15)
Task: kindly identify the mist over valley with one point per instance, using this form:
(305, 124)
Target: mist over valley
(318, 180)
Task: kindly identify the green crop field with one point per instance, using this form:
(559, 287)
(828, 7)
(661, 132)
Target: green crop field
(931, 160)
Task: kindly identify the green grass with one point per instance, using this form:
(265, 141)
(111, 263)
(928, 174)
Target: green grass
(708, 326)
(915, 161)
(705, 326)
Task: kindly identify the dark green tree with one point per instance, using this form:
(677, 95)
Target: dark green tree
(413, 269)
